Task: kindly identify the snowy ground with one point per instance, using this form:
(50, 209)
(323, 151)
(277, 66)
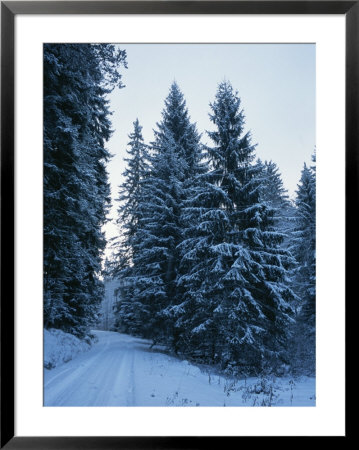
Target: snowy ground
(121, 370)
(60, 347)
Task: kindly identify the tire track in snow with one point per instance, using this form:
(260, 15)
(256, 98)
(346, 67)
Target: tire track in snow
(131, 400)
(67, 391)
(81, 368)
(104, 379)
(56, 387)
(123, 388)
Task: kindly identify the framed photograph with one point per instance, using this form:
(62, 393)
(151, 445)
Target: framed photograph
(174, 183)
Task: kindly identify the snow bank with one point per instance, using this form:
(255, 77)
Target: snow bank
(60, 347)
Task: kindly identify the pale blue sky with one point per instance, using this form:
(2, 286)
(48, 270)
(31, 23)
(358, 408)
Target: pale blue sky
(276, 83)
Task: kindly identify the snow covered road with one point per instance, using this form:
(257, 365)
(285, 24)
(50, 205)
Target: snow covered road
(121, 370)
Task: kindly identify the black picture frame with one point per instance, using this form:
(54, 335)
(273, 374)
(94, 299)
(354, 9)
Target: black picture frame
(9, 9)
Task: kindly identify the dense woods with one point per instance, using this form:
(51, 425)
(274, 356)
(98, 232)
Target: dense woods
(213, 260)
(77, 78)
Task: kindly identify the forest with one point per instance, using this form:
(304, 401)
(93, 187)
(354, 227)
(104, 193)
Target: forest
(213, 259)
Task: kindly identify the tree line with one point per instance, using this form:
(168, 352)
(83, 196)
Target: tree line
(213, 259)
(76, 192)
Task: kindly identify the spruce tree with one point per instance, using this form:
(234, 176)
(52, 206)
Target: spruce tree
(304, 244)
(77, 79)
(130, 194)
(235, 273)
(175, 157)
(130, 198)
(155, 257)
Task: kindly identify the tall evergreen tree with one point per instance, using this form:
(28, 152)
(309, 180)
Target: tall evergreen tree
(304, 245)
(236, 307)
(77, 79)
(130, 197)
(130, 194)
(175, 156)
(304, 240)
(155, 245)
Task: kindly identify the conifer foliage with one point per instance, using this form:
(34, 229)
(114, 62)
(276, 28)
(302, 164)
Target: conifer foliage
(304, 282)
(130, 191)
(236, 273)
(211, 272)
(77, 78)
(149, 284)
(272, 188)
(304, 240)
